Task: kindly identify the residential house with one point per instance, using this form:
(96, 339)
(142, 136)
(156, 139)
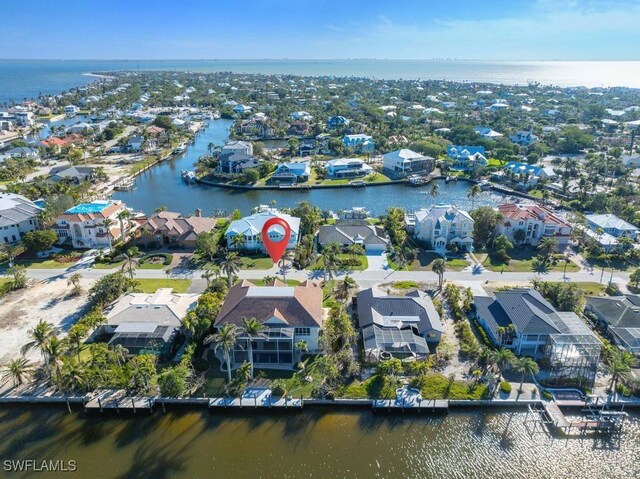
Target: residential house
(524, 138)
(71, 110)
(631, 161)
(443, 225)
(236, 162)
(612, 225)
(84, 225)
(170, 228)
(147, 323)
(523, 321)
(250, 229)
(71, 174)
(487, 133)
(347, 168)
(135, 143)
(237, 147)
(529, 175)
(467, 157)
(620, 316)
(18, 215)
(347, 232)
(23, 152)
(336, 122)
(360, 143)
(299, 128)
(80, 128)
(406, 162)
(605, 241)
(291, 172)
(301, 115)
(289, 314)
(242, 109)
(398, 326)
(536, 221)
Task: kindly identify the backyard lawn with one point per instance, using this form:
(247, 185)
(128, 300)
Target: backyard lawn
(152, 285)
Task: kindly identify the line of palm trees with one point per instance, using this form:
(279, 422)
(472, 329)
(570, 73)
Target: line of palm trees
(502, 359)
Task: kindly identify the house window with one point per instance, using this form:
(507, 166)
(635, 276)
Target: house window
(303, 331)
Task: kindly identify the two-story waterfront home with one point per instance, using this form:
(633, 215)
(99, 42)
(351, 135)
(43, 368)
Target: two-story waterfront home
(71, 110)
(291, 172)
(442, 225)
(242, 109)
(230, 147)
(406, 162)
(612, 225)
(360, 143)
(289, 314)
(84, 224)
(399, 326)
(529, 174)
(467, 157)
(347, 168)
(249, 229)
(535, 221)
(523, 321)
(18, 215)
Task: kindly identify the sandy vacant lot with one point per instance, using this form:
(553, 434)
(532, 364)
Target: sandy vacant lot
(20, 311)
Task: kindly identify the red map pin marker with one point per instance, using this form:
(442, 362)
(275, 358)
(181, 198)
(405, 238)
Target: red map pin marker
(276, 248)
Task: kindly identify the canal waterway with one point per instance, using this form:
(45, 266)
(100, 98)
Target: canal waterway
(358, 444)
(163, 185)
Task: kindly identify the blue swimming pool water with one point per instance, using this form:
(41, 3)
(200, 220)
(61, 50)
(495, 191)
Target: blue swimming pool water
(86, 208)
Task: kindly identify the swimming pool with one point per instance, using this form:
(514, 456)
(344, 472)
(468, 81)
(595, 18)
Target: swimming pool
(87, 208)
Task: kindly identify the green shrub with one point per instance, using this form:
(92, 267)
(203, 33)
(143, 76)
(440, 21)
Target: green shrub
(623, 390)
(505, 387)
(547, 395)
(278, 388)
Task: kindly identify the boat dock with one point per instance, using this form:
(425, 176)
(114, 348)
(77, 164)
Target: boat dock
(424, 405)
(117, 399)
(256, 398)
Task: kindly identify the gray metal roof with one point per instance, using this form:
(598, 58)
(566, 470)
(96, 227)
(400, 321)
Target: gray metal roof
(15, 209)
(528, 311)
(619, 311)
(352, 231)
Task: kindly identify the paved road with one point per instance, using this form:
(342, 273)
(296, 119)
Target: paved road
(364, 278)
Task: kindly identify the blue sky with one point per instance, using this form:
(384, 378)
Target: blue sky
(321, 29)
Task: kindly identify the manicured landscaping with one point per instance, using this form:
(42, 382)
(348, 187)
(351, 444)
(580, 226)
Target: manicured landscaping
(364, 264)
(438, 386)
(405, 284)
(155, 261)
(152, 285)
(256, 262)
(108, 264)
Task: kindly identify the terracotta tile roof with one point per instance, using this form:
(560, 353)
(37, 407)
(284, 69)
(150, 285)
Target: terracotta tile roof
(520, 212)
(185, 228)
(296, 306)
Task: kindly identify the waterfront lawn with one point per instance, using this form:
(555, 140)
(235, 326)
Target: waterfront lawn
(375, 387)
(342, 258)
(438, 386)
(521, 262)
(152, 285)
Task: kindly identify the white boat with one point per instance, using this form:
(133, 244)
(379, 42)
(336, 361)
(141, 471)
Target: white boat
(189, 176)
(180, 149)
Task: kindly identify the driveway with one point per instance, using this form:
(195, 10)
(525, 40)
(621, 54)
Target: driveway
(377, 262)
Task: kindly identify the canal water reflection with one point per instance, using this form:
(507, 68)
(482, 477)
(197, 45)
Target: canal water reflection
(197, 444)
(162, 185)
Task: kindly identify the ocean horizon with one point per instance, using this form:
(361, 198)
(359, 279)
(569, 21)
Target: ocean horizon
(21, 79)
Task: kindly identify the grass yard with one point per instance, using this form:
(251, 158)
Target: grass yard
(152, 285)
(376, 387)
(44, 263)
(406, 284)
(343, 256)
(5, 286)
(107, 265)
(426, 258)
(255, 262)
(521, 262)
(437, 386)
(589, 288)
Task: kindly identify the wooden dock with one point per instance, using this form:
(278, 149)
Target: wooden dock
(597, 418)
(117, 399)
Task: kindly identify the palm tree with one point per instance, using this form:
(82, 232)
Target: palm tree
(123, 216)
(39, 336)
(230, 264)
(237, 241)
(619, 366)
(75, 339)
(74, 282)
(107, 224)
(525, 366)
(224, 339)
(253, 329)
(18, 370)
(439, 267)
(209, 274)
(548, 246)
(130, 261)
(473, 193)
(11, 250)
(55, 349)
(346, 286)
(501, 358)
